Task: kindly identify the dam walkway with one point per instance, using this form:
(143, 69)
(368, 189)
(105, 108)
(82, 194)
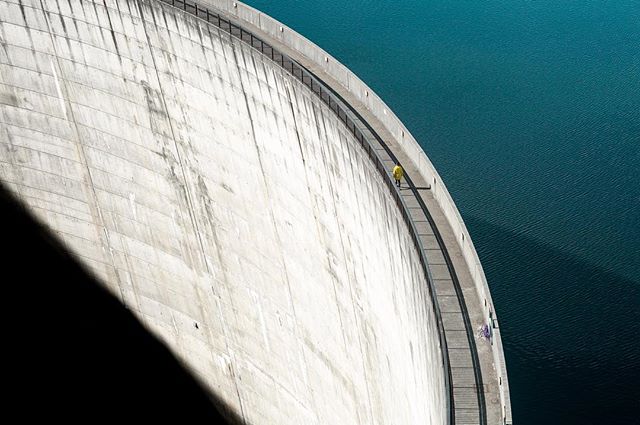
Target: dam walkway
(472, 384)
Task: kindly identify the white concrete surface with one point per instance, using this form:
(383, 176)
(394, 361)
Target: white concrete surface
(396, 135)
(225, 205)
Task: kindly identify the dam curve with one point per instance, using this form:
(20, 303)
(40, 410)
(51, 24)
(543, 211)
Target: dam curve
(209, 166)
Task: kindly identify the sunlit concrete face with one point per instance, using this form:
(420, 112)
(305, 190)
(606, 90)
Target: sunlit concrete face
(225, 205)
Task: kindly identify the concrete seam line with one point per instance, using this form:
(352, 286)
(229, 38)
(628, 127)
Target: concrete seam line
(188, 194)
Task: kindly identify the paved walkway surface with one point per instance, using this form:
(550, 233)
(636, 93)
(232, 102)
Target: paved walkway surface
(475, 397)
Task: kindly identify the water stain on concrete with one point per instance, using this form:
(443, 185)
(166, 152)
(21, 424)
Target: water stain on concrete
(9, 99)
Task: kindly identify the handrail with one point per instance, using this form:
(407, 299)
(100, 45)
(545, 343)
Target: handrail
(346, 113)
(410, 224)
(370, 104)
(454, 277)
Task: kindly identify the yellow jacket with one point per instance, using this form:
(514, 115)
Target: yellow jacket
(398, 172)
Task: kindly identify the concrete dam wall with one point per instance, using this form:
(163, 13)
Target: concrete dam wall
(226, 205)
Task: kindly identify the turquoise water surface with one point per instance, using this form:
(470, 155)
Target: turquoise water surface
(530, 111)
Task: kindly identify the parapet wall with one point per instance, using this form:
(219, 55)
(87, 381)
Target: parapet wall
(369, 104)
(225, 204)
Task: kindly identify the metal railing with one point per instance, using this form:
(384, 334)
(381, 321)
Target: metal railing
(357, 126)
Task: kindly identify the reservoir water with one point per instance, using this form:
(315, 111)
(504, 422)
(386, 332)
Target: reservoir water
(530, 111)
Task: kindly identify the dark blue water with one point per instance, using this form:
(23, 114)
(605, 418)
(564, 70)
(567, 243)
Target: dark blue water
(530, 110)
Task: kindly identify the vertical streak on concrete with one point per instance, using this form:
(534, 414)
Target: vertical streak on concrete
(217, 248)
(188, 197)
(273, 220)
(356, 318)
(332, 196)
(306, 179)
(113, 35)
(89, 186)
(353, 301)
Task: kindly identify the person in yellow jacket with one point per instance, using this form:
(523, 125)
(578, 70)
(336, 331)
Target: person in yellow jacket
(398, 172)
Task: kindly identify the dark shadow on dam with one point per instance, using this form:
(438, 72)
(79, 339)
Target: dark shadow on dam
(566, 325)
(72, 352)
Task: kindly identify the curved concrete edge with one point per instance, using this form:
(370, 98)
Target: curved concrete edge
(319, 60)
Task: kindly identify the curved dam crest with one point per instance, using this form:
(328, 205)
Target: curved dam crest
(225, 204)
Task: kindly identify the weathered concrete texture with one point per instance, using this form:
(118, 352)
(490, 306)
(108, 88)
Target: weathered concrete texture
(396, 136)
(225, 205)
